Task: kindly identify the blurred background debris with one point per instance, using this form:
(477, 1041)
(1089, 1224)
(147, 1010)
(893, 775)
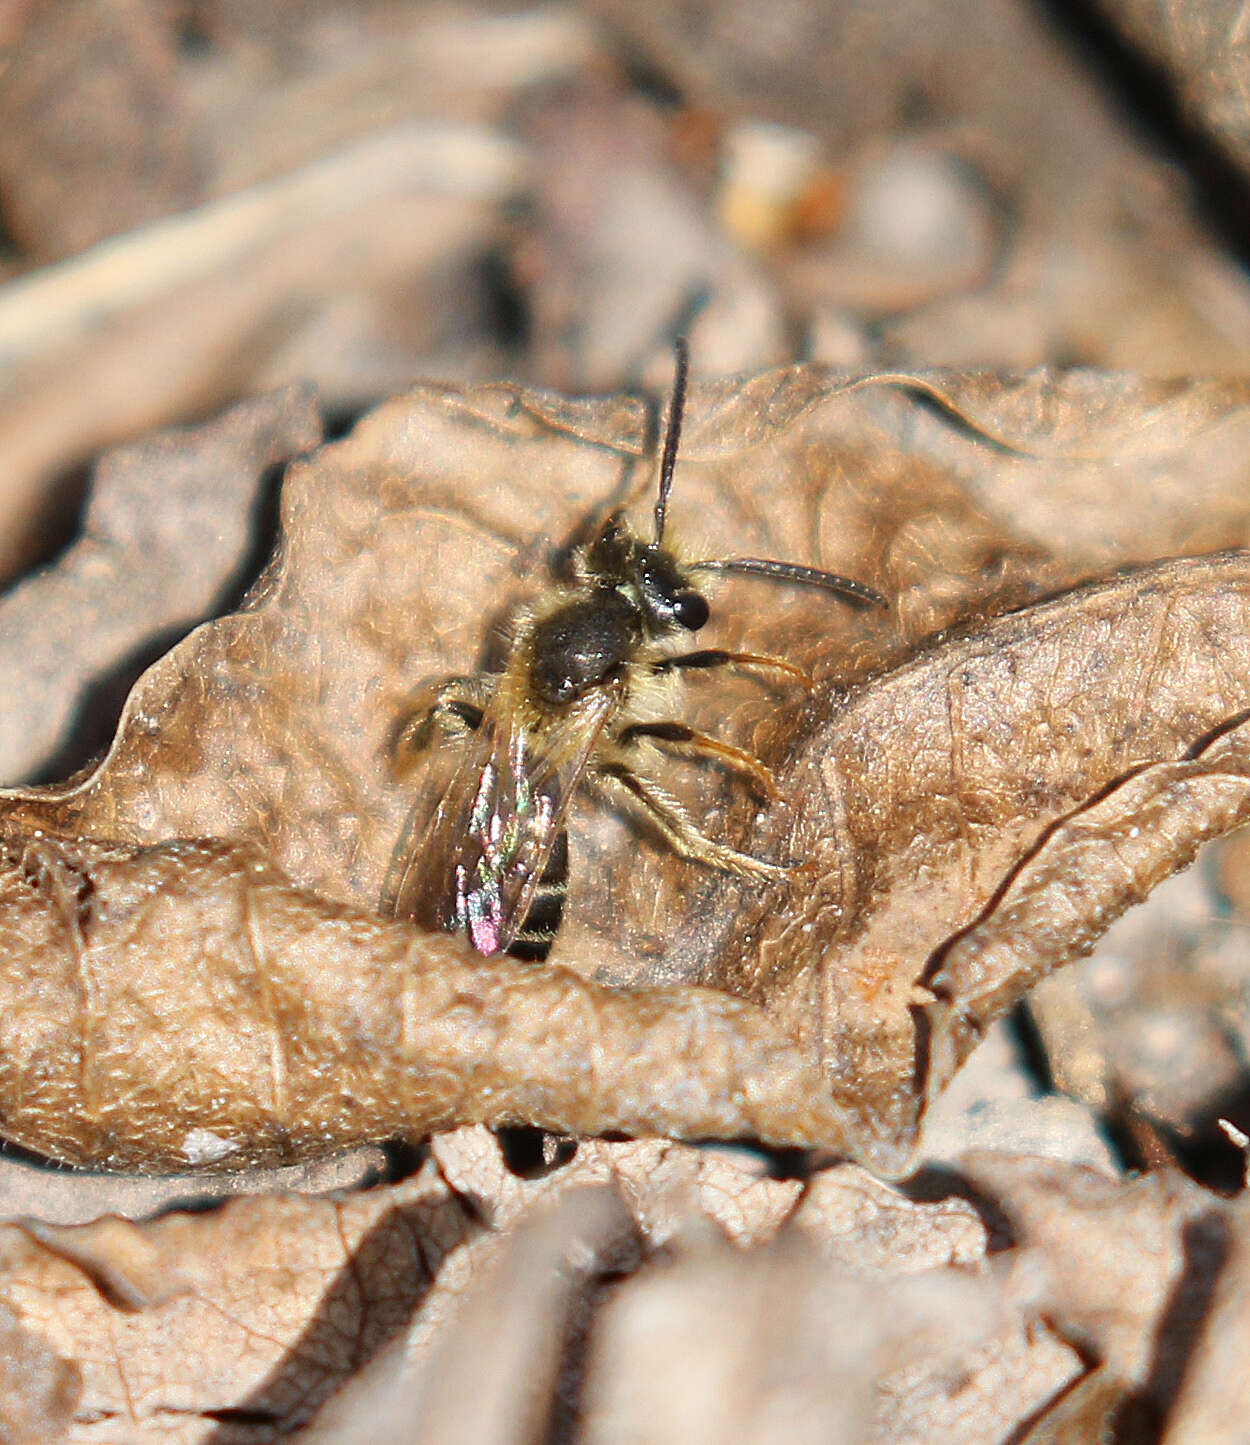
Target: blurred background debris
(202, 200)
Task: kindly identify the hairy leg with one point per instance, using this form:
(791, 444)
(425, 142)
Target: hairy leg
(686, 741)
(674, 824)
(716, 657)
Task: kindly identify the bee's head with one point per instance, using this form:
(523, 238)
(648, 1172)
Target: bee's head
(661, 589)
(649, 575)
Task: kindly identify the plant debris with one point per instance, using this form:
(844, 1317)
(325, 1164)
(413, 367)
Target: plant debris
(868, 1152)
(1034, 774)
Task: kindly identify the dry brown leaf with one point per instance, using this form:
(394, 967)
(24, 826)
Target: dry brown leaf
(168, 528)
(775, 1338)
(275, 1300)
(1102, 858)
(1213, 1402)
(279, 1300)
(929, 786)
(858, 1223)
(664, 1183)
(1122, 1270)
(183, 1005)
(39, 1390)
(194, 971)
(788, 1348)
(920, 781)
(866, 1227)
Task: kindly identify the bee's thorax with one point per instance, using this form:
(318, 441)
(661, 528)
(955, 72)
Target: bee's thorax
(628, 593)
(582, 644)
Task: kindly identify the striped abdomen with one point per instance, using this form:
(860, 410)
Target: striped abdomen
(542, 922)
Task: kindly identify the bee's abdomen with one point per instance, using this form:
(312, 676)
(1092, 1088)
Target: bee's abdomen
(538, 931)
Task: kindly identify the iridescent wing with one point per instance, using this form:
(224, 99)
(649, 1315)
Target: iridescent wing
(475, 864)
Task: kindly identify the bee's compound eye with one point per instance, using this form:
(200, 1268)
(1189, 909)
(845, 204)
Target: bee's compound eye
(691, 610)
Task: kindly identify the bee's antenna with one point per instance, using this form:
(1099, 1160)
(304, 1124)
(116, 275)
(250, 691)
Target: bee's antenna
(847, 588)
(672, 436)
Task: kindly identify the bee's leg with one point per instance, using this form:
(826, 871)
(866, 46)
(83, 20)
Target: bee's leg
(449, 711)
(669, 818)
(685, 740)
(715, 657)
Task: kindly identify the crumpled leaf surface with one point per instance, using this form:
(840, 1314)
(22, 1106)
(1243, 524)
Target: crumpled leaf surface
(280, 1298)
(395, 1291)
(183, 1004)
(447, 1296)
(168, 529)
(980, 781)
(1158, 817)
(276, 1298)
(925, 771)
(784, 1339)
(1127, 1272)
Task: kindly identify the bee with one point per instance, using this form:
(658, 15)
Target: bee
(491, 861)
